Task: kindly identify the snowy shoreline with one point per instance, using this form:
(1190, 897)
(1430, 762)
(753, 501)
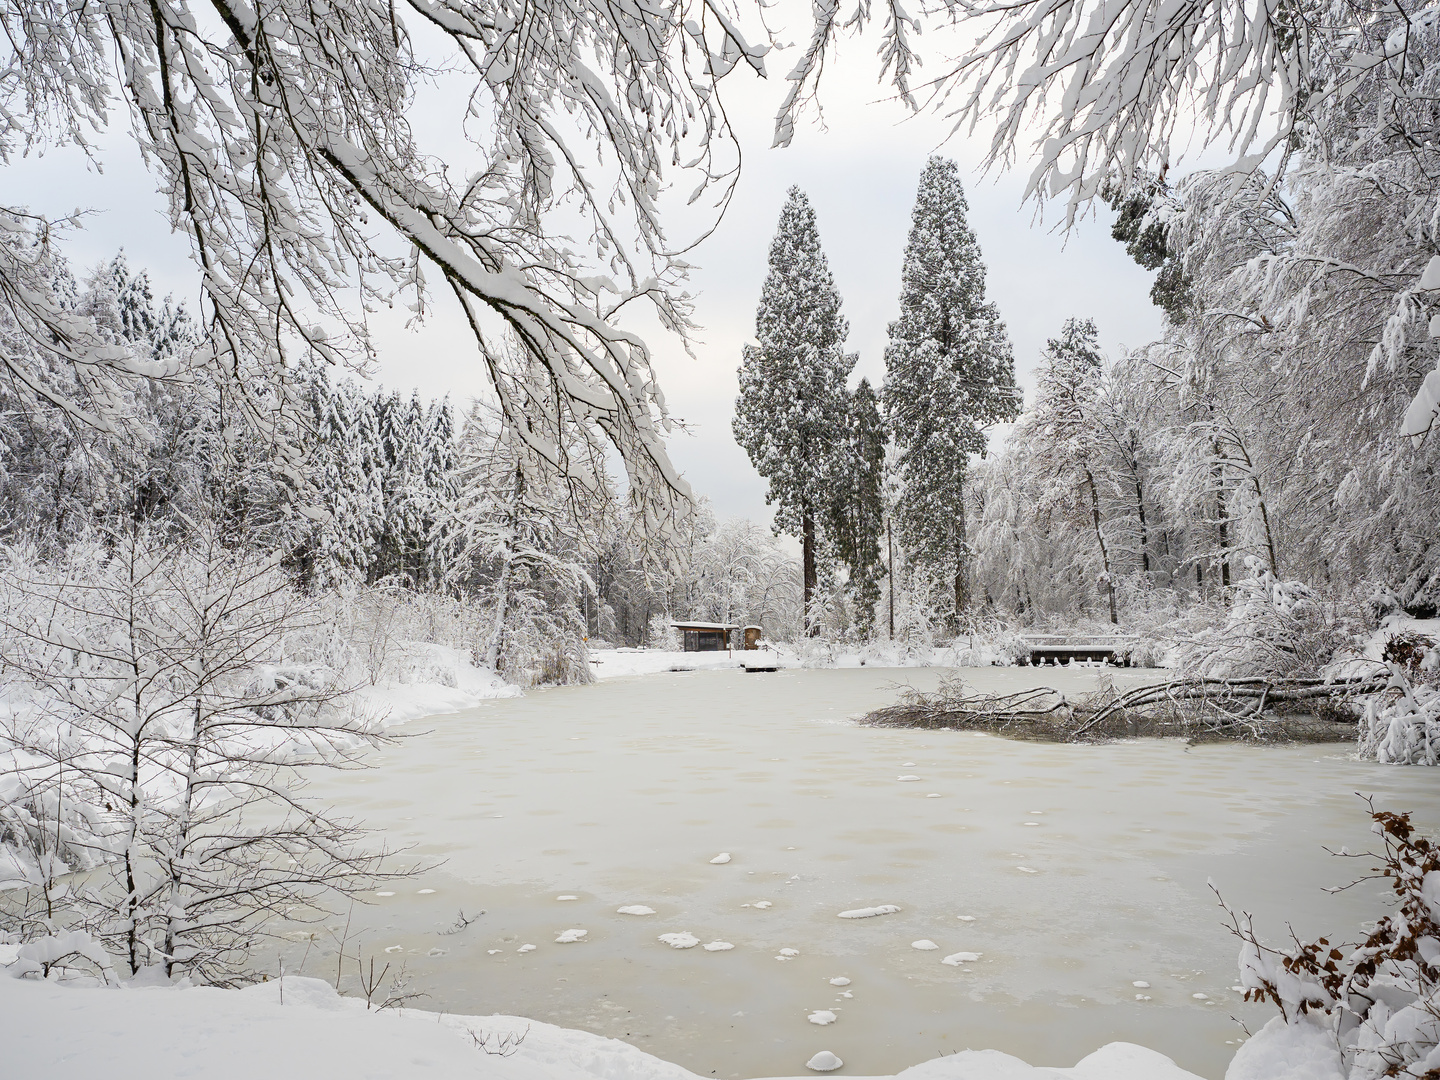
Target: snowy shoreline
(300, 1028)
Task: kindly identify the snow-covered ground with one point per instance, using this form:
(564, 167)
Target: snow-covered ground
(448, 684)
(976, 652)
(300, 1029)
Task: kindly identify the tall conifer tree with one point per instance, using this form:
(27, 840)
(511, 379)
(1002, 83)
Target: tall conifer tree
(858, 508)
(790, 415)
(949, 374)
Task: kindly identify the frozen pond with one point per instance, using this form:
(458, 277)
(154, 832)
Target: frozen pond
(1072, 871)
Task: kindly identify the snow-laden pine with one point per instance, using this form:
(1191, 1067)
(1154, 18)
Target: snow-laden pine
(792, 412)
(949, 375)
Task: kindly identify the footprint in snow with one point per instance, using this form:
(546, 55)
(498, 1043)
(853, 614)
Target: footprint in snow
(432, 952)
(395, 948)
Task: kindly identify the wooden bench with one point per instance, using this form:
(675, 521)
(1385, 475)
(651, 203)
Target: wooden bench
(1116, 652)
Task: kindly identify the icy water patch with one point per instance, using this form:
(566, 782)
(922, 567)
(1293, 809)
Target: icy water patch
(1052, 880)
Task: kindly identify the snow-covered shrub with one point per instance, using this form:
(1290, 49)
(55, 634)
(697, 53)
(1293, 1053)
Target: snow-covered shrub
(659, 634)
(1274, 629)
(164, 719)
(1378, 998)
(1401, 725)
(71, 956)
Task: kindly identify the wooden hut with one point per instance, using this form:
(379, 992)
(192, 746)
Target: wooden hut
(704, 636)
(752, 637)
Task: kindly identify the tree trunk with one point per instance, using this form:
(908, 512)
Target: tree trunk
(890, 542)
(811, 579)
(1144, 532)
(1104, 553)
(962, 565)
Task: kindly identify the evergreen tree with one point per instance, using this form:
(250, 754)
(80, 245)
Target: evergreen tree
(949, 374)
(790, 415)
(858, 509)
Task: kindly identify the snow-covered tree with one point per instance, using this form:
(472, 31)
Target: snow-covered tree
(949, 374)
(791, 415)
(524, 537)
(168, 709)
(858, 503)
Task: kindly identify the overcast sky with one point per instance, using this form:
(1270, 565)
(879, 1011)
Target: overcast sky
(859, 171)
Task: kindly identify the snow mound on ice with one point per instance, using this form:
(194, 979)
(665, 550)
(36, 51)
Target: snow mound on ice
(958, 958)
(635, 909)
(681, 940)
(822, 1017)
(924, 945)
(1281, 1051)
(869, 912)
(824, 1061)
(841, 981)
(721, 859)
(719, 946)
(570, 936)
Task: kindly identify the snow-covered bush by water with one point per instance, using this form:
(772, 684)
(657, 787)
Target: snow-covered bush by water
(1274, 628)
(155, 719)
(1378, 999)
(1401, 726)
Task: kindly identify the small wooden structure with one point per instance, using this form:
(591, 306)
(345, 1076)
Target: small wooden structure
(1058, 650)
(752, 638)
(704, 636)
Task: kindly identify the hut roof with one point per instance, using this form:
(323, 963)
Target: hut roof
(704, 626)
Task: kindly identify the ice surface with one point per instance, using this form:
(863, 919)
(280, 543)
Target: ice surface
(570, 936)
(682, 940)
(822, 1017)
(635, 909)
(824, 1061)
(869, 912)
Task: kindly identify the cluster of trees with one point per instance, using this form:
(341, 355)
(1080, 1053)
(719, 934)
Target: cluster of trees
(876, 483)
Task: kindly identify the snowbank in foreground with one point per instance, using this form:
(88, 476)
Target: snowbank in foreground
(442, 681)
(64, 1033)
